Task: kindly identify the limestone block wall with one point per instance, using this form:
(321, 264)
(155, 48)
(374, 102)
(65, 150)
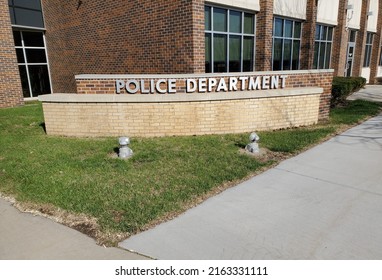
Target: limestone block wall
(167, 115)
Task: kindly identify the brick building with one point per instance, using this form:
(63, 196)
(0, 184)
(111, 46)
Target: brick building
(45, 43)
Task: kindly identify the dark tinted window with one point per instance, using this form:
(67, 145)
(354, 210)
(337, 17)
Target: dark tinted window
(29, 4)
(17, 38)
(35, 55)
(20, 56)
(28, 17)
(39, 78)
(24, 81)
(33, 39)
(26, 13)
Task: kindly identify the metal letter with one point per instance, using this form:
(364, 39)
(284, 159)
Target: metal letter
(254, 84)
(158, 88)
(152, 86)
(283, 77)
(136, 84)
(243, 81)
(119, 84)
(274, 82)
(211, 83)
(265, 83)
(171, 86)
(143, 90)
(190, 85)
(202, 85)
(222, 85)
(233, 84)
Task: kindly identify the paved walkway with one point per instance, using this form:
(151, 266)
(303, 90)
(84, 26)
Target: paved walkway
(370, 92)
(325, 203)
(25, 237)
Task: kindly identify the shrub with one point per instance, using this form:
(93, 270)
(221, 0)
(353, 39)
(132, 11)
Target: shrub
(379, 80)
(342, 87)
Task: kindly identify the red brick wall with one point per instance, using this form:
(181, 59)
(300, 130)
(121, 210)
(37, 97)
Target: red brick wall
(375, 54)
(198, 36)
(361, 41)
(264, 33)
(129, 37)
(340, 41)
(308, 35)
(10, 85)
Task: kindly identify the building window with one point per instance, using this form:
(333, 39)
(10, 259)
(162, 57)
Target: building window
(229, 40)
(369, 44)
(380, 57)
(26, 13)
(322, 47)
(32, 62)
(286, 44)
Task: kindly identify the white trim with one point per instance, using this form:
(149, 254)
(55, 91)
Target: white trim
(181, 97)
(327, 12)
(190, 76)
(30, 98)
(47, 62)
(26, 63)
(292, 8)
(29, 28)
(328, 22)
(250, 5)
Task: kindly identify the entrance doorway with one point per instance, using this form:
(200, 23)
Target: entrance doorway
(349, 59)
(350, 53)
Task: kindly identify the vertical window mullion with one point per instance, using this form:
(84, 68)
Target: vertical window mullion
(319, 48)
(227, 36)
(212, 41)
(26, 64)
(273, 42)
(291, 48)
(283, 45)
(242, 43)
(47, 63)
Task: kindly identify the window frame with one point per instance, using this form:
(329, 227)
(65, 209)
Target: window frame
(368, 49)
(284, 38)
(319, 41)
(228, 34)
(24, 49)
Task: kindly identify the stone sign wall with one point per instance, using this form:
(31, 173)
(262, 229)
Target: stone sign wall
(164, 105)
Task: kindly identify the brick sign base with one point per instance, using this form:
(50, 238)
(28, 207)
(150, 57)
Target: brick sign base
(97, 111)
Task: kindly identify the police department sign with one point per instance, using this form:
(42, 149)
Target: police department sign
(200, 85)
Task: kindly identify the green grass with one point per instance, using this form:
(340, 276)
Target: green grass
(165, 175)
(353, 112)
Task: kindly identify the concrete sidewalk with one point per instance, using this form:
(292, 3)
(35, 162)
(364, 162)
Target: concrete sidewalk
(370, 92)
(325, 203)
(27, 237)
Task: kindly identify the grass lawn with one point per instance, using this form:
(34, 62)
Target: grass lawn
(107, 198)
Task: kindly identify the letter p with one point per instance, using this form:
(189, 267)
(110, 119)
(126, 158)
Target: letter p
(119, 84)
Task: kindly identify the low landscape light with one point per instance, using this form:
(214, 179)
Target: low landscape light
(124, 151)
(253, 147)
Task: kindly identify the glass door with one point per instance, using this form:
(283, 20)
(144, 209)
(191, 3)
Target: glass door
(350, 53)
(349, 59)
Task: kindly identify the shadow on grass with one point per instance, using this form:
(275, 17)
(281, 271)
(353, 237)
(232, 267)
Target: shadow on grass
(43, 126)
(240, 145)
